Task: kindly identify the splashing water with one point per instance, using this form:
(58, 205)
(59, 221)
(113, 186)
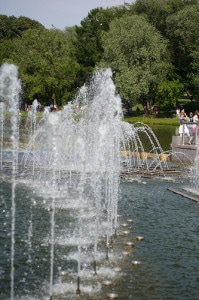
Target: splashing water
(9, 93)
(193, 186)
(76, 157)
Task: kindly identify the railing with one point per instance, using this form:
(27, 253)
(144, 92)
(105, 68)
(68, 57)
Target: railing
(193, 130)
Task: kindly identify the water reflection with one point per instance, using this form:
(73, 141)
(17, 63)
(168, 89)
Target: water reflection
(168, 254)
(164, 134)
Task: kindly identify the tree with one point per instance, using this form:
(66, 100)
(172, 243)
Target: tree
(168, 93)
(138, 56)
(183, 34)
(47, 64)
(157, 11)
(89, 49)
(11, 27)
(195, 70)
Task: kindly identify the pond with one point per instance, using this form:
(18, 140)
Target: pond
(168, 253)
(164, 134)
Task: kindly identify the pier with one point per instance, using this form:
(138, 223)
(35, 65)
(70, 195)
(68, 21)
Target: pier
(180, 147)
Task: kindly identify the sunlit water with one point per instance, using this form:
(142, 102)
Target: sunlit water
(168, 255)
(61, 236)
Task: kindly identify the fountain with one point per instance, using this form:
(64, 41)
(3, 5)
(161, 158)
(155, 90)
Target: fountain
(9, 92)
(67, 239)
(191, 189)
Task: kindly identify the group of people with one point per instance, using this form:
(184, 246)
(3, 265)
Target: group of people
(53, 107)
(38, 108)
(185, 124)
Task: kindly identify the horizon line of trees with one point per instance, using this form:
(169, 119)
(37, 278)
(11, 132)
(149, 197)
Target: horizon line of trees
(152, 47)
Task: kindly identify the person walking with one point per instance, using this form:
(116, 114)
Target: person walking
(183, 129)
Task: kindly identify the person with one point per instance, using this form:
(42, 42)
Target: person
(183, 129)
(194, 126)
(191, 127)
(54, 107)
(195, 117)
(182, 109)
(190, 118)
(51, 107)
(178, 112)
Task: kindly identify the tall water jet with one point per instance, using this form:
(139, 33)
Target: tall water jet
(9, 94)
(54, 121)
(193, 187)
(1, 124)
(81, 152)
(76, 159)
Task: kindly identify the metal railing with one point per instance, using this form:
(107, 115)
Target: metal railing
(190, 133)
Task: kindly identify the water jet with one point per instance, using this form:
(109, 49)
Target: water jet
(112, 296)
(130, 244)
(107, 282)
(70, 172)
(139, 238)
(135, 262)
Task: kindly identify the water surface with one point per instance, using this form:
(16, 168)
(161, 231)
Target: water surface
(168, 254)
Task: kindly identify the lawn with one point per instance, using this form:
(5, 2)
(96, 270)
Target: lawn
(152, 121)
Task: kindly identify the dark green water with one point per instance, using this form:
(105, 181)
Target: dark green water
(164, 135)
(168, 254)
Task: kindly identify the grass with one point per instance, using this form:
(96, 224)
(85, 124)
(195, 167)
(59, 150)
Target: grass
(138, 117)
(152, 121)
(163, 117)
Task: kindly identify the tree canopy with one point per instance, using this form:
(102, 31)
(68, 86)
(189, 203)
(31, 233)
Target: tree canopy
(138, 55)
(183, 33)
(11, 27)
(152, 47)
(47, 64)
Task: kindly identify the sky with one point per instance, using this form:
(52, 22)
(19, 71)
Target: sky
(55, 13)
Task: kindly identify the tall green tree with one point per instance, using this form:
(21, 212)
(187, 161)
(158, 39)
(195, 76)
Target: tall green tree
(157, 11)
(47, 64)
(168, 93)
(11, 27)
(138, 56)
(89, 49)
(183, 34)
(195, 70)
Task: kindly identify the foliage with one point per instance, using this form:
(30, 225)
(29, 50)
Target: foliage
(11, 27)
(168, 93)
(47, 65)
(89, 49)
(138, 55)
(152, 47)
(157, 11)
(183, 34)
(195, 69)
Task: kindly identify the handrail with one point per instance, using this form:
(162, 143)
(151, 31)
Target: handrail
(194, 133)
